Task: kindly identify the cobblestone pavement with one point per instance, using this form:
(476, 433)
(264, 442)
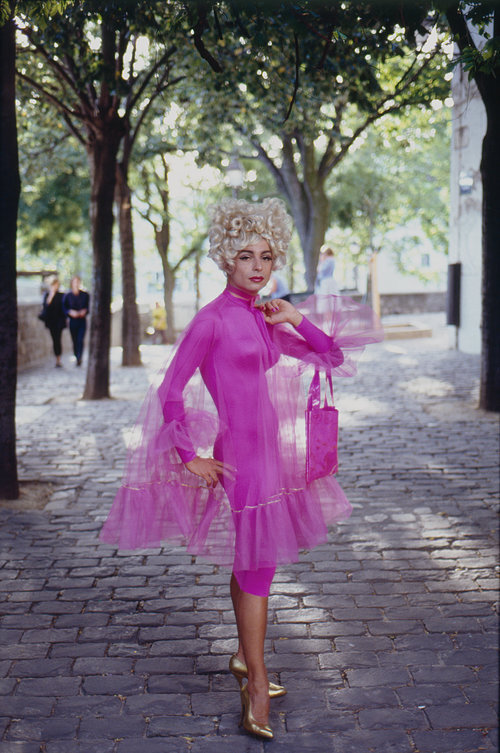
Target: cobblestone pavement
(385, 637)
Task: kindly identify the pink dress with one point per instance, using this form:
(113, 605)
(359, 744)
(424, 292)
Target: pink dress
(236, 388)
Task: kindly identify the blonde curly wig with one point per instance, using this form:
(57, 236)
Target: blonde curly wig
(237, 224)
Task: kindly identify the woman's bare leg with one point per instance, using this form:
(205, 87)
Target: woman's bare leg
(251, 621)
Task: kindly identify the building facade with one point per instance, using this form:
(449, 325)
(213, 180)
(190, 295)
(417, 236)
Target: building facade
(465, 247)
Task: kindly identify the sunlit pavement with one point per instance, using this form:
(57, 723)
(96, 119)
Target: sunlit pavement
(385, 637)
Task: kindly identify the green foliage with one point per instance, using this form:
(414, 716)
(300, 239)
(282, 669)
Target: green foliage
(54, 203)
(397, 179)
(473, 15)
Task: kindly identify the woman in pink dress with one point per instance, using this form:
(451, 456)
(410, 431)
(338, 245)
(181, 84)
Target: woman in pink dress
(218, 458)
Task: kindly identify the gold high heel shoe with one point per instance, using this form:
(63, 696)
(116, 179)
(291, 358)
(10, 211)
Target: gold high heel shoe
(240, 671)
(248, 722)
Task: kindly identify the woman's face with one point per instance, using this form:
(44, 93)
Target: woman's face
(253, 267)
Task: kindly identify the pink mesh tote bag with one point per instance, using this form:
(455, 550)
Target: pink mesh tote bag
(322, 429)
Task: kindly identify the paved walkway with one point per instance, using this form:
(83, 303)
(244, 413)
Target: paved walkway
(385, 637)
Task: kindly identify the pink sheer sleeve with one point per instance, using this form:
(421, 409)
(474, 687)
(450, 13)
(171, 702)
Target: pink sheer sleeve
(189, 356)
(348, 325)
(307, 343)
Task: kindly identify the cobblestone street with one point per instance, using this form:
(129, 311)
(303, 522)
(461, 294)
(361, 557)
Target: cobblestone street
(386, 637)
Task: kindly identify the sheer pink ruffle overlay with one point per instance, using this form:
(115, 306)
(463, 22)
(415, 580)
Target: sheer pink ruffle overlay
(236, 388)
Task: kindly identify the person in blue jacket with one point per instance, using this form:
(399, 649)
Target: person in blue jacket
(76, 306)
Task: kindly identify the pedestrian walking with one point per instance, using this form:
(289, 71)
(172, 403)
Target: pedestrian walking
(278, 287)
(218, 463)
(54, 316)
(325, 281)
(159, 321)
(76, 305)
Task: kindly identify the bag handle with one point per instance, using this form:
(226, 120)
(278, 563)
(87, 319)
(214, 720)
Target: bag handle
(314, 397)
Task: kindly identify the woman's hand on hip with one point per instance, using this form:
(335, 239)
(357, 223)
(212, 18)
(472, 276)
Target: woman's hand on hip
(278, 311)
(209, 470)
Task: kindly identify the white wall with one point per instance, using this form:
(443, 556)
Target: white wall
(468, 128)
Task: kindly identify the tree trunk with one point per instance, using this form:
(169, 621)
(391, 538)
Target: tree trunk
(489, 397)
(102, 157)
(168, 292)
(131, 328)
(197, 291)
(311, 221)
(9, 200)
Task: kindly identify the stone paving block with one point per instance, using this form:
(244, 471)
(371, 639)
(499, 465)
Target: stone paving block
(179, 647)
(141, 619)
(164, 726)
(57, 607)
(294, 662)
(320, 720)
(363, 643)
(42, 667)
(439, 674)
(8, 637)
(451, 741)
(7, 685)
(177, 683)
(459, 716)
(61, 728)
(19, 747)
(167, 633)
(127, 650)
(302, 615)
(377, 677)
(302, 645)
(214, 703)
(24, 651)
(109, 633)
(24, 621)
(165, 665)
(24, 706)
(102, 666)
(77, 650)
(342, 660)
(430, 695)
(192, 618)
(98, 746)
(88, 619)
(453, 625)
(488, 641)
(356, 699)
(158, 704)
(335, 629)
(434, 642)
(49, 686)
(399, 718)
(153, 745)
(88, 705)
(113, 685)
(407, 658)
(470, 657)
(4, 668)
(235, 743)
(395, 627)
(111, 728)
(50, 636)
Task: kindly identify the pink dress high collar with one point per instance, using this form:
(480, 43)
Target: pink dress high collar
(245, 295)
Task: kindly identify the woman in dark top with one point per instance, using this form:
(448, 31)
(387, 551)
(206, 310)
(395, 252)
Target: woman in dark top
(54, 317)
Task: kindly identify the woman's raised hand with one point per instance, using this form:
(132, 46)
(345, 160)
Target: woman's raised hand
(278, 311)
(209, 470)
